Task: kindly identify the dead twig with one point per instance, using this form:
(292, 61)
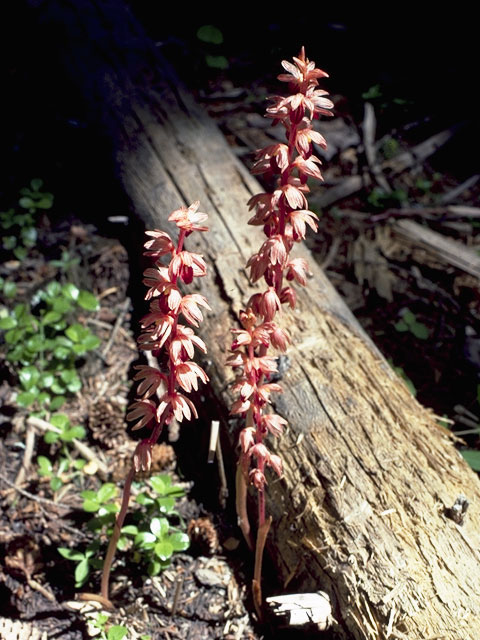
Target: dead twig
(369, 125)
(31, 496)
(27, 456)
(118, 323)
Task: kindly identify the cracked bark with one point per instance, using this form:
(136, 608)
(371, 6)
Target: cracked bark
(359, 511)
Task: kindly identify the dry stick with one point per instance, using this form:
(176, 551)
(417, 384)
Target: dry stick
(118, 323)
(31, 496)
(82, 448)
(368, 126)
(223, 492)
(176, 597)
(257, 573)
(27, 456)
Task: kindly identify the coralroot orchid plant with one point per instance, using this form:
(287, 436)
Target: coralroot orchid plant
(163, 331)
(284, 214)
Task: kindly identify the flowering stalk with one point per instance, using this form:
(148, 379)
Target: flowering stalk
(284, 215)
(162, 331)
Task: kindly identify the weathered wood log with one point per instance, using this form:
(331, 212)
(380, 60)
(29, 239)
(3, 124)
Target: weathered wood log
(362, 509)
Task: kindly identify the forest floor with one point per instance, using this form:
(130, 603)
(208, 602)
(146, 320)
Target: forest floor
(399, 238)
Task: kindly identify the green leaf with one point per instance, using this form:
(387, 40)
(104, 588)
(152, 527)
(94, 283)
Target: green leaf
(91, 506)
(57, 402)
(90, 342)
(88, 301)
(29, 236)
(57, 387)
(36, 184)
(50, 437)
(420, 331)
(77, 332)
(62, 353)
(145, 539)
(144, 499)
(20, 253)
(9, 242)
(164, 549)
(401, 326)
(45, 466)
(117, 632)
(51, 317)
(216, 62)
(77, 432)
(7, 323)
(81, 572)
(408, 317)
(26, 398)
(472, 456)
(160, 483)
(9, 289)
(106, 492)
(159, 527)
(34, 344)
(55, 483)
(154, 568)
(166, 504)
(28, 377)
(70, 291)
(130, 529)
(26, 202)
(209, 33)
(46, 380)
(61, 305)
(70, 554)
(179, 541)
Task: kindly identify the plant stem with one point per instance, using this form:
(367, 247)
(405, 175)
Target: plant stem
(112, 545)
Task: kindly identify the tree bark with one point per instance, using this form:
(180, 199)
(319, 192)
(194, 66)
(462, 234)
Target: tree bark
(360, 511)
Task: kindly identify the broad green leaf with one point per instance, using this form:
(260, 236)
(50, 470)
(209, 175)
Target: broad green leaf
(77, 332)
(46, 380)
(179, 541)
(144, 499)
(9, 289)
(45, 466)
(26, 202)
(8, 323)
(164, 549)
(51, 317)
(57, 402)
(28, 377)
(216, 62)
(166, 504)
(60, 420)
(9, 242)
(472, 456)
(26, 398)
(90, 342)
(420, 331)
(50, 437)
(70, 291)
(62, 353)
(81, 572)
(154, 568)
(29, 236)
(117, 632)
(70, 554)
(408, 317)
(160, 483)
(145, 538)
(13, 335)
(209, 33)
(77, 432)
(61, 305)
(159, 527)
(55, 483)
(91, 506)
(89, 495)
(58, 388)
(36, 184)
(130, 529)
(35, 344)
(20, 253)
(88, 301)
(401, 326)
(106, 492)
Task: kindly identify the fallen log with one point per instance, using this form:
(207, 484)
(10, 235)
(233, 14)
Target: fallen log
(363, 511)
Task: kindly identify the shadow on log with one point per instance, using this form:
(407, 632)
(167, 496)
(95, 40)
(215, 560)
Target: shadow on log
(361, 511)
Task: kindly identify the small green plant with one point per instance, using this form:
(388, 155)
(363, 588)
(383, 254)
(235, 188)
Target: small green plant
(43, 346)
(85, 561)
(212, 37)
(114, 632)
(21, 233)
(158, 543)
(410, 323)
(389, 148)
